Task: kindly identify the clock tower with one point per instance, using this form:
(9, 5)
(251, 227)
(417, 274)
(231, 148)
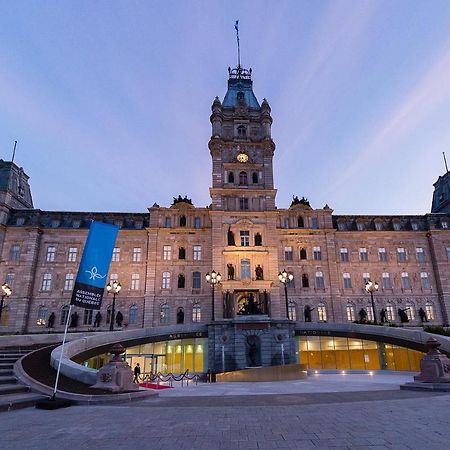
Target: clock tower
(241, 148)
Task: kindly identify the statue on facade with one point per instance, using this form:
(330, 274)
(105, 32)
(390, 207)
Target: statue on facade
(98, 319)
(258, 240)
(423, 315)
(73, 320)
(307, 313)
(119, 319)
(383, 315)
(51, 320)
(402, 314)
(230, 270)
(362, 315)
(259, 272)
(230, 236)
(180, 315)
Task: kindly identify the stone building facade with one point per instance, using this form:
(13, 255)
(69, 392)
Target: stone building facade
(162, 256)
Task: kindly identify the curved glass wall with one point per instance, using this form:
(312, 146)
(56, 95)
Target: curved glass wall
(328, 352)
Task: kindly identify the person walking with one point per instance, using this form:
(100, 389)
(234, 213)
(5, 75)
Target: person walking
(137, 373)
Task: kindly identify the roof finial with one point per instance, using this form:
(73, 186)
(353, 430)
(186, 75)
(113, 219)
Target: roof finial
(14, 151)
(445, 161)
(236, 27)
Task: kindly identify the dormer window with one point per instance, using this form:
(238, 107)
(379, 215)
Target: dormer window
(241, 131)
(243, 178)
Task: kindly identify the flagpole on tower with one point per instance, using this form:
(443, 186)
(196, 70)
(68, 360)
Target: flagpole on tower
(236, 27)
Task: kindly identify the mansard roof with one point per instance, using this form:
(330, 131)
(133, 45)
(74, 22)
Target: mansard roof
(240, 82)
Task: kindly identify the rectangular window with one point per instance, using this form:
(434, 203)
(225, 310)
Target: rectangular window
(425, 280)
(116, 254)
(72, 255)
(288, 254)
(320, 283)
(386, 281)
(322, 313)
(317, 255)
(167, 252)
(406, 283)
(15, 252)
(196, 313)
(243, 204)
(197, 252)
(51, 253)
(9, 279)
(196, 280)
(390, 316)
(429, 310)
(448, 253)
(134, 281)
(166, 280)
(350, 313)
(286, 222)
(366, 278)
(46, 282)
(87, 320)
(344, 254)
(245, 269)
(245, 238)
(136, 256)
(420, 254)
(401, 254)
(347, 281)
(363, 255)
(68, 282)
(314, 223)
(382, 255)
(197, 222)
(113, 277)
(444, 224)
(168, 222)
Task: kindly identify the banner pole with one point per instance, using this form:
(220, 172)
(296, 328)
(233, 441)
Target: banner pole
(62, 353)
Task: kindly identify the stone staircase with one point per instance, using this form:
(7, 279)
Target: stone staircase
(14, 395)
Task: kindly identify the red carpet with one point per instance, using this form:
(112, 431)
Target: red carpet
(155, 386)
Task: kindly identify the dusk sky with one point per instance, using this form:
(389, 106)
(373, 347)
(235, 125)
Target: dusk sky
(110, 100)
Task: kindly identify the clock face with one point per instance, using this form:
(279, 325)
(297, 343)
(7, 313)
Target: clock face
(242, 157)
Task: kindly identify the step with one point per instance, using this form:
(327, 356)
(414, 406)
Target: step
(8, 360)
(6, 389)
(6, 366)
(17, 351)
(20, 400)
(14, 356)
(8, 379)
(5, 372)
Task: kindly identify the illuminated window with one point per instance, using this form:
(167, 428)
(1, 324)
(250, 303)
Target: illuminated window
(429, 310)
(136, 256)
(164, 313)
(197, 252)
(322, 312)
(317, 254)
(369, 310)
(72, 254)
(288, 254)
(68, 282)
(116, 254)
(166, 280)
(167, 252)
(108, 314)
(113, 277)
(42, 315)
(410, 312)
(64, 315)
(350, 312)
(390, 314)
(366, 278)
(245, 269)
(292, 311)
(51, 253)
(134, 281)
(245, 238)
(46, 282)
(196, 313)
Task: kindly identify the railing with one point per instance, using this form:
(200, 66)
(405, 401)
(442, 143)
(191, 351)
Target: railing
(150, 377)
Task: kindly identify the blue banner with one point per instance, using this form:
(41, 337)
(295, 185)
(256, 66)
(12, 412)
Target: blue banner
(94, 266)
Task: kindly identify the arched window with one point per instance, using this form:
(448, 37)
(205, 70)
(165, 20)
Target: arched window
(292, 311)
(305, 280)
(241, 131)
(322, 312)
(181, 253)
(196, 313)
(42, 316)
(230, 177)
(369, 310)
(64, 315)
(181, 281)
(182, 221)
(303, 253)
(133, 315)
(245, 269)
(180, 315)
(5, 317)
(350, 312)
(166, 280)
(164, 313)
(243, 178)
(300, 222)
(254, 177)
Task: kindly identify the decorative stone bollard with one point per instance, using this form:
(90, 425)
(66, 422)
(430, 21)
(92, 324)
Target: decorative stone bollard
(116, 376)
(434, 366)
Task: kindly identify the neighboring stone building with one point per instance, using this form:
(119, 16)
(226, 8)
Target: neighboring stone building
(162, 257)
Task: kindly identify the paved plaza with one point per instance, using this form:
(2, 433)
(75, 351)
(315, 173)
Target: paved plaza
(326, 411)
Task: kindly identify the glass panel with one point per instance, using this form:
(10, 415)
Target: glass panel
(328, 353)
(371, 355)
(314, 353)
(356, 354)
(342, 353)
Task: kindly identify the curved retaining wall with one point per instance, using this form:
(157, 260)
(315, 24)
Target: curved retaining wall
(87, 346)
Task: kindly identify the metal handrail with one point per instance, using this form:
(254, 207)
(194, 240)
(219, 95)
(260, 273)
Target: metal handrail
(170, 377)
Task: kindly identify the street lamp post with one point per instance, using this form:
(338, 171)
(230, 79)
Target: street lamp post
(284, 278)
(113, 286)
(213, 278)
(371, 287)
(6, 292)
